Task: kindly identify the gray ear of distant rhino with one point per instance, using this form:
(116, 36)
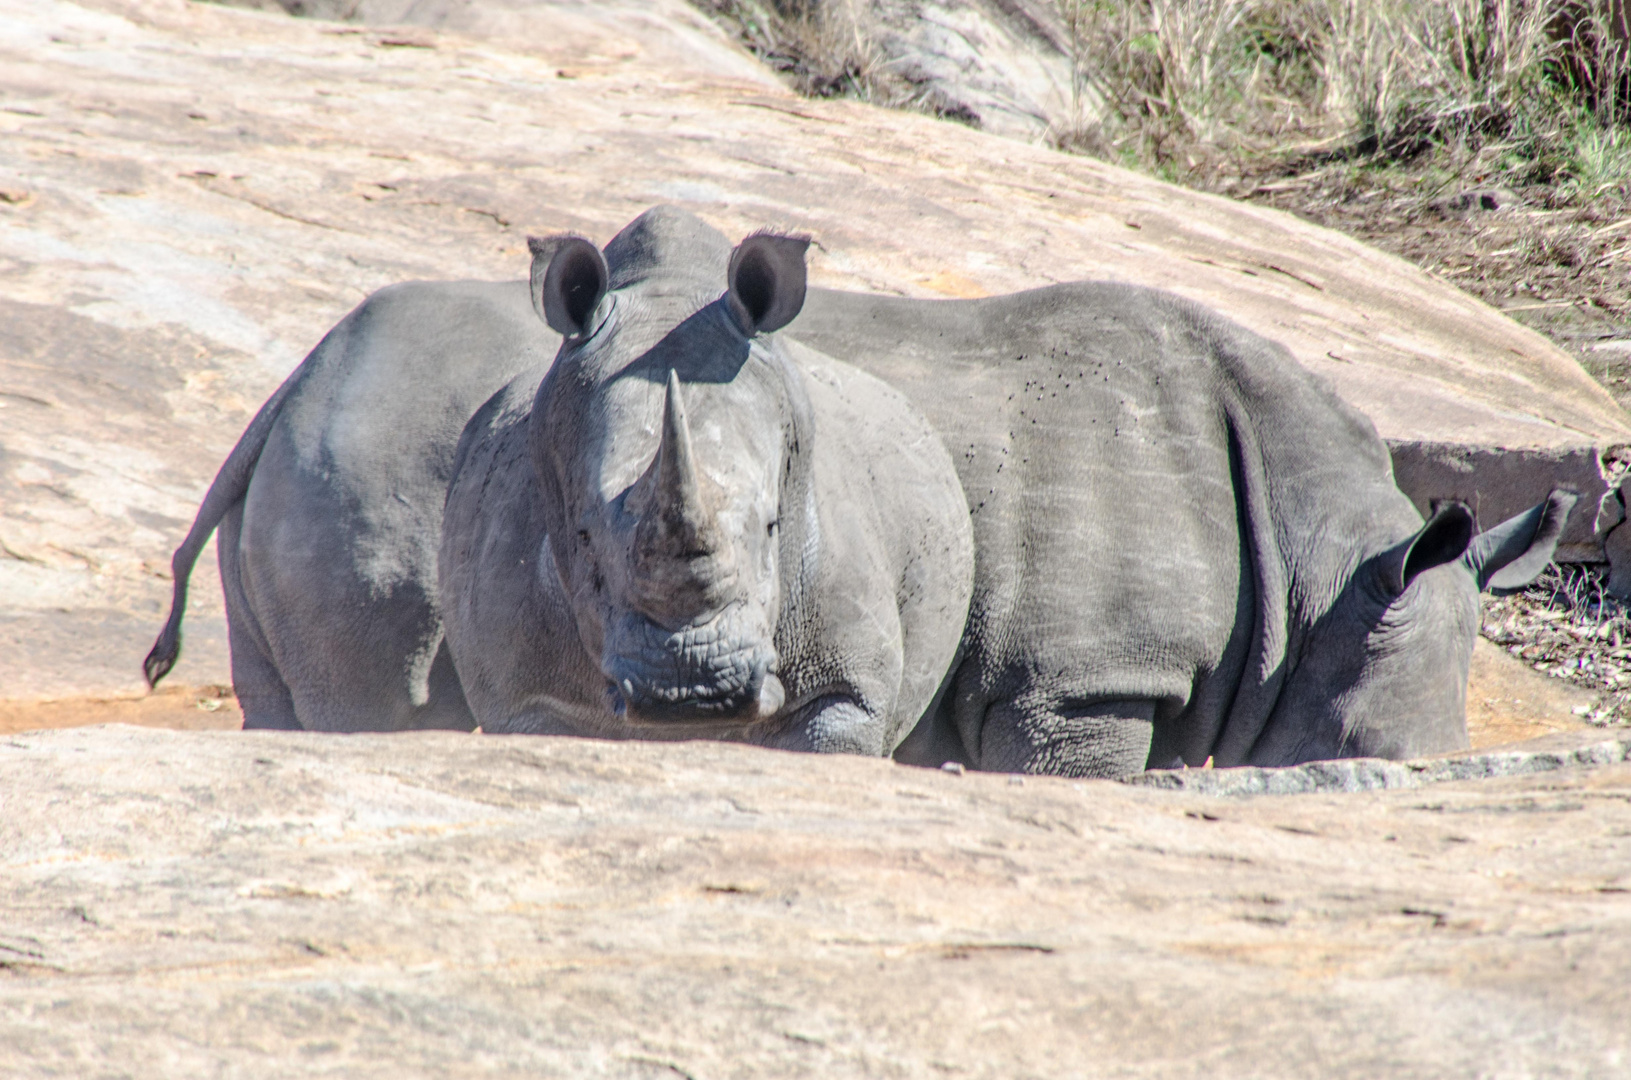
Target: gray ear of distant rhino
(1446, 537)
(1509, 556)
(767, 279)
(569, 278)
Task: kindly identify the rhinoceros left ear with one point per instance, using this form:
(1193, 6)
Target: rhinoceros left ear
(1512, 554)
(1443, 539)
(767, 281)
(569, 277)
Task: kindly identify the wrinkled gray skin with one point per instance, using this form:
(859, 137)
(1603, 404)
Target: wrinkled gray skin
(693, 529)
(330, 512)
(1187, 545)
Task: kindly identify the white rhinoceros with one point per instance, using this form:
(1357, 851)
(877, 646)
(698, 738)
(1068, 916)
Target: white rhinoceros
(1188, 547)
(330, 512)
(692, 528)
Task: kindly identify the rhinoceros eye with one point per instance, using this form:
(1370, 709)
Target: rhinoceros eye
(583, 537)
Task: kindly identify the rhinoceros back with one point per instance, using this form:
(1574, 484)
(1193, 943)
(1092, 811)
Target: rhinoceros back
(1152, 489)
(330, 562)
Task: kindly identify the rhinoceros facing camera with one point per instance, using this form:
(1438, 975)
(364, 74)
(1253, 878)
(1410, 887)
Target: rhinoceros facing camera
(695, 528)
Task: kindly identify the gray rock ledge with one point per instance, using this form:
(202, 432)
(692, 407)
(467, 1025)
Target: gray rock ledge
(1376, 774)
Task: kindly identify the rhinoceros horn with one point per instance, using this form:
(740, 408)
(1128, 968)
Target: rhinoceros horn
(677, 526)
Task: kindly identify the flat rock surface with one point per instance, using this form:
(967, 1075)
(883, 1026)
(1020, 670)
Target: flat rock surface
(213, 904)
(190, 196)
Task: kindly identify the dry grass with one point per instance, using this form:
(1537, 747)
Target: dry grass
(823, 47)
(1205, 91)
(1566, 626)
(1199, 88)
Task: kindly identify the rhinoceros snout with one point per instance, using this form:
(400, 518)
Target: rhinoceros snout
(720, 669)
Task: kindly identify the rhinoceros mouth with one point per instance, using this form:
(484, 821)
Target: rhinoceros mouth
(720, 669)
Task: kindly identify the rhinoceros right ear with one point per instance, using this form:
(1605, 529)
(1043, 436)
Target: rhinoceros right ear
(767, 281)
(569, 278)
(1512, 554)
(1443, 539)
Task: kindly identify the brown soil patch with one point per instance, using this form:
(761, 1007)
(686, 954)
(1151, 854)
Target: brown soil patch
(1508, 701)
(181, 708)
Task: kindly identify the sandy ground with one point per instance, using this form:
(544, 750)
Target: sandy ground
(1507, 702)
(180, 708)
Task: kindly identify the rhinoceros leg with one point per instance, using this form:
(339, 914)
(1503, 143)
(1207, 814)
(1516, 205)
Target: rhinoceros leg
(835, 725)
(1103, 738)
(262, 693)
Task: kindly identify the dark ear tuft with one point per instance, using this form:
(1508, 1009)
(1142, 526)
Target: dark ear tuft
(1442, 540)
(767, 280)
(569, 277)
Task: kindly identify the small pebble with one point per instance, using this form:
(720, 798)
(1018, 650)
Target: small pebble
(952, 767)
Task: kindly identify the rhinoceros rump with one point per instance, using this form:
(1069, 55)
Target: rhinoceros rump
(692, 528)
(330, 511)
(1187, 545)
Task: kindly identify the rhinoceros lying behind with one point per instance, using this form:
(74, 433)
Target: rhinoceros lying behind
(1187, 545)
(694, 529)
(330, 512)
